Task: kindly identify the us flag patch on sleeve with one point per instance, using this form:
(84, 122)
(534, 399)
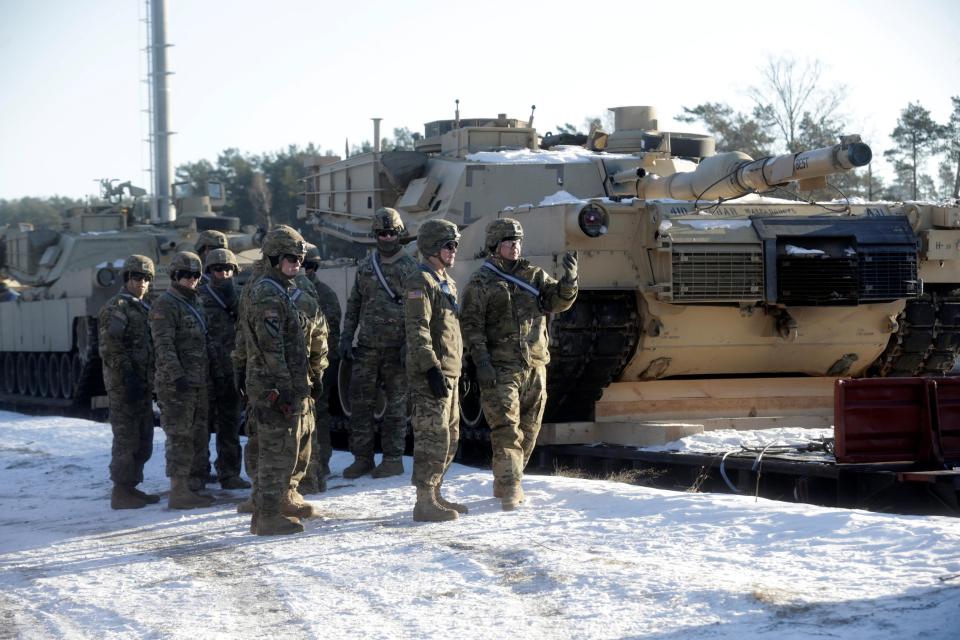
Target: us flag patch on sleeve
(414, 294)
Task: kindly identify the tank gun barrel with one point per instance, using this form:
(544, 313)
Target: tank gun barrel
(731, 175)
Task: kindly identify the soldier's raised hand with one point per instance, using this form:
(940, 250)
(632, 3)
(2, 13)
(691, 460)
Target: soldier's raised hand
(570, 266)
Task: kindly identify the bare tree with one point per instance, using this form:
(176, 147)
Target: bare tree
(793, 97)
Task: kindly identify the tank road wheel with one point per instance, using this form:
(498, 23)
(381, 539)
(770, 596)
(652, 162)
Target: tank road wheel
(23, 374)
(65, 371)
(9, 372)
(32, 374)
(43, 382)
(344, 374)
(53, 374)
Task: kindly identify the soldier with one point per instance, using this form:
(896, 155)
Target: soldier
(220, 300)
(127, 354)
(314, 327)
(208, 241)
(375, 306)
(319, 467)
(179, 329)
(504, 322)
(276, 378)
(434, 352)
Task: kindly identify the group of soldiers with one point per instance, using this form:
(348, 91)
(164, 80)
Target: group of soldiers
(207, 347)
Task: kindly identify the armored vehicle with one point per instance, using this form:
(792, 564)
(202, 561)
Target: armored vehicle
(48, 336)
(686, 271)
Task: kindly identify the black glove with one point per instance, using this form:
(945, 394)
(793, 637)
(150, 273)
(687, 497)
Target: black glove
(570, 266)
(282, 401)
(134, 387)
(182, 384)
(240, 381)
(346, 347)
(438, 382)
(486, 374)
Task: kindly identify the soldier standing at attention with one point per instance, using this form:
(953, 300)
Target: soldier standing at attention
(276, 378)
(434, 353)
(179, 330)
(330, 306)
(127, 354)
(220, 300)
(208, 241)
(375, 306)
(504, 322)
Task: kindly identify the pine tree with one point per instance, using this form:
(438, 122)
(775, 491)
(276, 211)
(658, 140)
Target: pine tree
(917, 136)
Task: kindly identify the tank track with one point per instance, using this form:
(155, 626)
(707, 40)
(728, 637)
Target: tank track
(927, 341)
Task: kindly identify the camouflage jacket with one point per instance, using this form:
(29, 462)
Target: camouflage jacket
(126, 347)
(503, 322)
(330, 306)
(179, 328)
(313, 324)
(239, 354)
(220, 305)
(379, 318)
(276, 352)
(433, 331)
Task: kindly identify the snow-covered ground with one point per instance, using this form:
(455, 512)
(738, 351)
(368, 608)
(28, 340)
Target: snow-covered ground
(582, 559)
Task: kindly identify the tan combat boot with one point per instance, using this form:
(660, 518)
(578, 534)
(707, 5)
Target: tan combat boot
(246, 506)
(268, 521)
(149, 498)
(182, 498)
(123, 497)
(361, 466)
(511, 497)
(427, 509)
(498, 491)
(446, 504)
(294, 508)
(388, 467)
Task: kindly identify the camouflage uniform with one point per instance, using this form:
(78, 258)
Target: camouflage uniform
(179, 328)
(315, 332)
(126, 351)
(277, 382)
(378, 354)
(330, 307)
(506, 327)
(220, 302)
(208, 241)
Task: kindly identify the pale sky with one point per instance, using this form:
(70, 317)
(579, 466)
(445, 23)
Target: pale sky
(260, 76)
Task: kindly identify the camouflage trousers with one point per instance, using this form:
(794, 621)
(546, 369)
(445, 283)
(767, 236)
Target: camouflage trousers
(278, 442)
(132, 425)
(369, 366)
(184, 420)
(322, 448)
(305, 446)
(514, 410)
(436, 430)
(225, 422)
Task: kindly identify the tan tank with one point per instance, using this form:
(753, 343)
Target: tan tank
(48, 336)
(685, 273)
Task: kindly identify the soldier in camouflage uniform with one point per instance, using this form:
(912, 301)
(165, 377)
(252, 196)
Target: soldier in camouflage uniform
(319, 468)
(434, 352)
(178, 327)
(314, 327)
(208, 241)
(220, 300)
(277, 378)
(378, 356)
(127, 354)
(506, 306)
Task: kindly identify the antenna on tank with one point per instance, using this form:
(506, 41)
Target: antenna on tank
(456, 115)
(533, 108)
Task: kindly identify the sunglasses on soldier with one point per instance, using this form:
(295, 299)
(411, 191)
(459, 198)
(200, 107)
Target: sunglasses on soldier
(293, 258)
(220, 268)
(193, 275)
(138, 277)
(311, 265)
(386, 233)
(451, 246)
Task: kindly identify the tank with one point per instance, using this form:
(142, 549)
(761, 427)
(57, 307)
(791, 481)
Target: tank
(685, 271)
(48, 336)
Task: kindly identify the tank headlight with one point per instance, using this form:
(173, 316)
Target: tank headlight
(594, 220)
(106, 277)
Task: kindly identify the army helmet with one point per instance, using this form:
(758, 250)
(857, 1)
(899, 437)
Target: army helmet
(386, 219)
(210, 239)
(501, 229)
(185, 261)
(220, 256)
(313, 253)
(282, 240)
(433, 234)
(138, 264)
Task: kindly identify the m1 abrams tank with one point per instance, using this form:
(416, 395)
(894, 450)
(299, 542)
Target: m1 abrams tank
(48, 336)
(685, 272)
